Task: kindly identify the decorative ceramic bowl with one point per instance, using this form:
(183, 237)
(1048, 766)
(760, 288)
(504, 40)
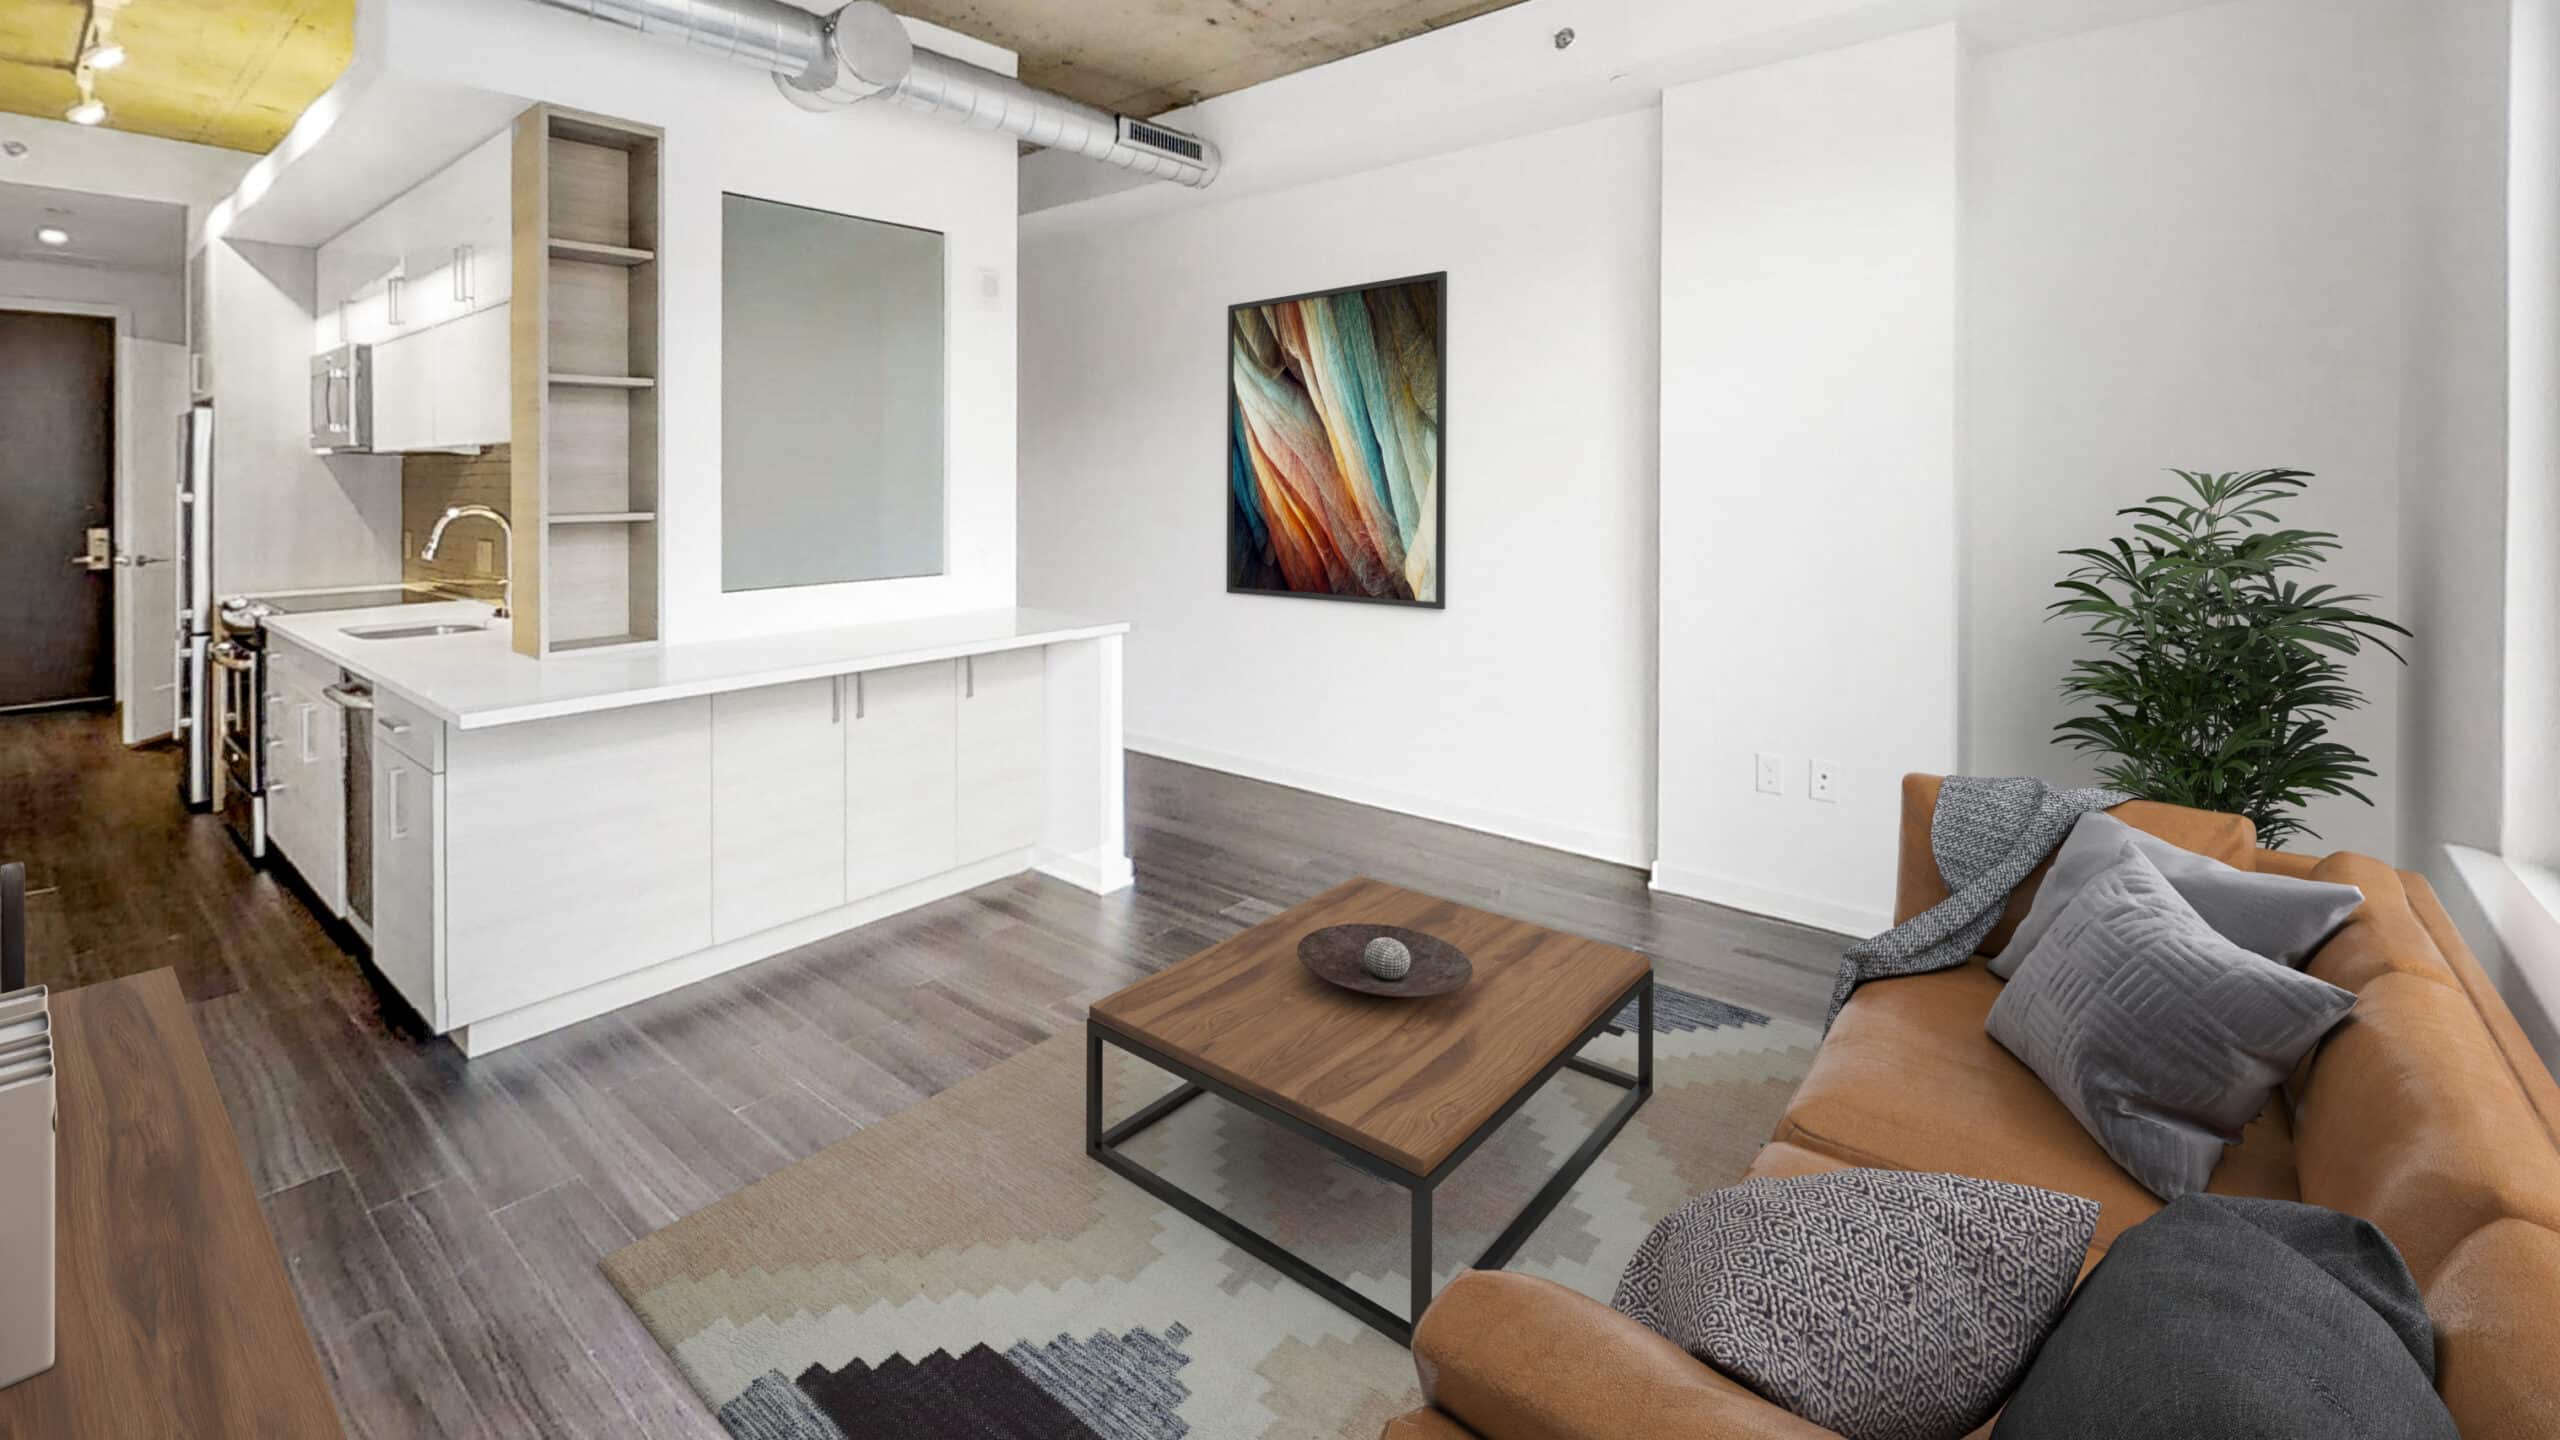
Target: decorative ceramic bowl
(1338, 955)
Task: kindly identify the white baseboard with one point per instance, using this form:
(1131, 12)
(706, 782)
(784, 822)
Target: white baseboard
(1852, 920)
(1635, 850)
(1103, 872)
(496, 1032)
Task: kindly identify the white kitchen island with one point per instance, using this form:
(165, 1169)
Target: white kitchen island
(552, 839)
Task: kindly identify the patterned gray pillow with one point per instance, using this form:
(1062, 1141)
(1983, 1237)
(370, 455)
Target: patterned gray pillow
(1883, 1304)
(2277, 916)
(2163, 1038)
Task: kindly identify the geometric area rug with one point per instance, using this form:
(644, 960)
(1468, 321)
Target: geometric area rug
(963, 1269)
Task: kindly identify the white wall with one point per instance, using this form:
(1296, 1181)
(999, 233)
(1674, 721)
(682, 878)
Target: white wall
(2532, 644)
(1809, 441)
(727, 130)
(284, 518)
(1525, 707)
(153, 302)
(2185, 247)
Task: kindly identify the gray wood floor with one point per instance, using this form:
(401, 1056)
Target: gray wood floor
(443, 1219)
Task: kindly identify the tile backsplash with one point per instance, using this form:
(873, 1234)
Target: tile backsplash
(430, 483)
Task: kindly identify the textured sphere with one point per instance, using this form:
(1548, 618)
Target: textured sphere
(1387, 958)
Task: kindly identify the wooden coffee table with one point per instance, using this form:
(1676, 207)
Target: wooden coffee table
(1404, 1089)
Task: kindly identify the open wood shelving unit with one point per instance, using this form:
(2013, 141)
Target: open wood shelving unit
(584, 482)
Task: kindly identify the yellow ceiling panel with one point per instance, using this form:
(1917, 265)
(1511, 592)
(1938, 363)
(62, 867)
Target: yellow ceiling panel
(233, 73)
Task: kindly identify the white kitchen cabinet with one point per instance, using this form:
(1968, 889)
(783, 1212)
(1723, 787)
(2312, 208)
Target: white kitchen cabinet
(471, 361)
(777, 805)
(443, 388)
(1003, 752)
(408, 879)
(439, 251)
(306, 784)
(484, 229)
(576, 850)
(901, 776)
(404, 393)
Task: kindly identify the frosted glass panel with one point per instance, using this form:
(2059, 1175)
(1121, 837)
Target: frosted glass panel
(831, 397)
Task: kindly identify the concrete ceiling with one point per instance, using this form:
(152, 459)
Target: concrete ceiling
(230, 73)
(1144, 57)
(105, 230)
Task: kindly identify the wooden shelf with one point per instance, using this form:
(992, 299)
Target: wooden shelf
(586, 326)
(597, 253)
(609, 382)
(600, 642)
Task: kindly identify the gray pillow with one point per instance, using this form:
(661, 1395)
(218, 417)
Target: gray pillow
(2277, 916)
(2162, 1037)
(1882, 1304)
(2225, 1316)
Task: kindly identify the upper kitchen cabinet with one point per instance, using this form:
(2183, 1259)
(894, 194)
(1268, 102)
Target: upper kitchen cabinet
(434, 255)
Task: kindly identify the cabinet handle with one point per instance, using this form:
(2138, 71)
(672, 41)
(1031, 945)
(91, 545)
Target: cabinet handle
(835, 702)
(857, 695)
(394, 727)
(391, 781)
(969, 676)
(391, 299)
(304, 719)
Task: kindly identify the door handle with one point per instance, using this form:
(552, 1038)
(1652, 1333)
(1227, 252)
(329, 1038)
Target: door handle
(101, 552)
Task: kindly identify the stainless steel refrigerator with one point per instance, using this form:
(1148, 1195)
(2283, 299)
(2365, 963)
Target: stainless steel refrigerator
(196, 730)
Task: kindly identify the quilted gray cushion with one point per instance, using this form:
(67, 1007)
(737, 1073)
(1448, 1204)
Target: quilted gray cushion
(2162, 1037)
(2277, 916)
(1883, 1304)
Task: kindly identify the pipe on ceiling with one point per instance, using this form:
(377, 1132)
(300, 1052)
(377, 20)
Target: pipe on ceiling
(862, 52)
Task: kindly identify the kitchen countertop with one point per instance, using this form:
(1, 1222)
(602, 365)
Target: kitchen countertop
(475, 680)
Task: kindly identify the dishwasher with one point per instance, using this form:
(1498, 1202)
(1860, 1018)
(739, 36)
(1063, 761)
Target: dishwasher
(352, 696)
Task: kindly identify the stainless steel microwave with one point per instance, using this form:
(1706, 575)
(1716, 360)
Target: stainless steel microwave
(342, 399)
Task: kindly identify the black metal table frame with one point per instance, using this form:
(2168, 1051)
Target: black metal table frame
(1103, 1145)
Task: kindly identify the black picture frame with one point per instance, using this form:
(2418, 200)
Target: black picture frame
(1439, 280)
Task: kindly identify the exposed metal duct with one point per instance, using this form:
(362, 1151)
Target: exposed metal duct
(862, 52)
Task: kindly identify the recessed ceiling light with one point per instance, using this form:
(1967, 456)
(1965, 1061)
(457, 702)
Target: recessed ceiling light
(53, 235)
(105, 55)
(88, 112)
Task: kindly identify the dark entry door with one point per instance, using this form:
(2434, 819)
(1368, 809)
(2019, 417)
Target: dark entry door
(57, 454)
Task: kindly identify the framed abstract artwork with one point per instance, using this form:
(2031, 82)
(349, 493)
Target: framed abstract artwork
(1335, 444)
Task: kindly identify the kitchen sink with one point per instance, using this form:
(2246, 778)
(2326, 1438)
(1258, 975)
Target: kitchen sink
(412, 632)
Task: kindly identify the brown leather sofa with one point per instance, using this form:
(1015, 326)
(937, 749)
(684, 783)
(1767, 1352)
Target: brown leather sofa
(2425, 1112)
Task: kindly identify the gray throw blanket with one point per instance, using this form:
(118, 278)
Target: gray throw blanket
(1986, 835)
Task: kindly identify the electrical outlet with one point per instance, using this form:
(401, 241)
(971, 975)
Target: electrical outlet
(1822, 781)
(486, 554)
(1772, 774)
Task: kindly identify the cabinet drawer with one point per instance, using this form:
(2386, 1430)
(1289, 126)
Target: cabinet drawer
(289, 666)
(408, 729)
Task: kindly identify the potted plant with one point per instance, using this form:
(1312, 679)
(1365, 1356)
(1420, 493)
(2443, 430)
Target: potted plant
(2220, 668)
